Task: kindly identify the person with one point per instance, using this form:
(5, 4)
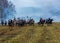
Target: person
(2, 22)
(10, 24)
(5, 23)
(14, 22)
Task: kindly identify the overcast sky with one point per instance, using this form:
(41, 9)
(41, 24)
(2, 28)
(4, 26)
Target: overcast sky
(38, 8)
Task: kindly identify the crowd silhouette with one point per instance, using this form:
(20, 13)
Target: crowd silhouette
(22, 22)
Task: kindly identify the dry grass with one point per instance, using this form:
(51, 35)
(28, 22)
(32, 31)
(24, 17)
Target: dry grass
(31, 34)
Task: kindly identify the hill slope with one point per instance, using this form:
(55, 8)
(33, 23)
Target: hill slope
(31, 34)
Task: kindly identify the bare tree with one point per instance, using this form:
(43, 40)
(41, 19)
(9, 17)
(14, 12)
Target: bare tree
(6, 9)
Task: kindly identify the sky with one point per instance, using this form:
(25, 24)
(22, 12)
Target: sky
(37, 9)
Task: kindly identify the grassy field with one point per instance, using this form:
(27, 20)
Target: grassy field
(31, 34)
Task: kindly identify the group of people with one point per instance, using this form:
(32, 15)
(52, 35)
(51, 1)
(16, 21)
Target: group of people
(3, 22)
(22, 22)
(45, 21)
(18, 22)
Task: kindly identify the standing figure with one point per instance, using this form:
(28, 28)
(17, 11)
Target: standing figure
(10, 24)
(14, 22)
(2, 22)
(5, 23)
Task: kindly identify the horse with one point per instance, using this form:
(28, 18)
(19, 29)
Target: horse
(49, 21)
(30, 22)
(21, 22)
(41, 21)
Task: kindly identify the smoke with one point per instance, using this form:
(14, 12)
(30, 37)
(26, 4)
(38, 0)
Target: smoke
(7, 9)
